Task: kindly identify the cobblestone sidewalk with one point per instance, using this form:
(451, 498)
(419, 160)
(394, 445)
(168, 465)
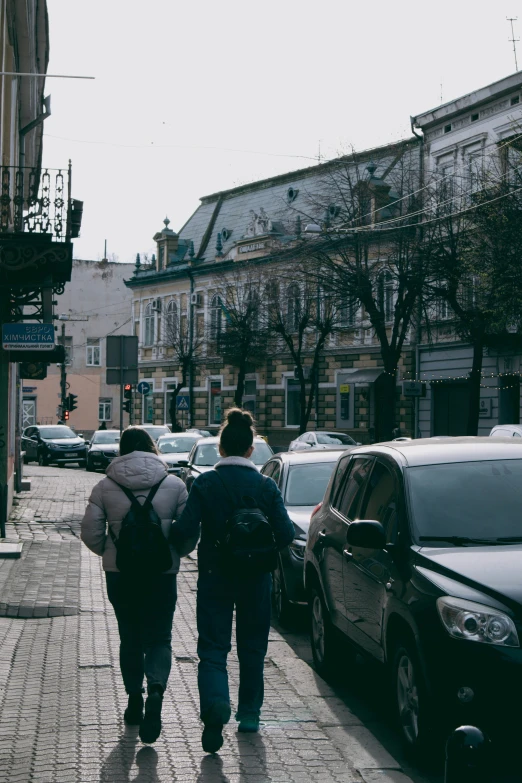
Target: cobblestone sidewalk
(62, 701)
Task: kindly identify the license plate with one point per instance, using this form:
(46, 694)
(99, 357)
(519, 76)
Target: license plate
(70, 454)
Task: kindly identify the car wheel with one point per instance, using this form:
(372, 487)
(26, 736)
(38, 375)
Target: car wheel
(89, 466)
(410, 697)
(281, 605)
(322, 638)
(82, 463)
(42, 461)
(26, 459)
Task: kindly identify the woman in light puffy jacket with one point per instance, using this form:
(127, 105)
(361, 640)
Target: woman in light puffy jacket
(144, 608)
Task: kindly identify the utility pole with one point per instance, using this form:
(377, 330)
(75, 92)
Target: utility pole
(63, 378)
(513, 40)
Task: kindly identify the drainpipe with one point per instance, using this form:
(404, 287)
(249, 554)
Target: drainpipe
(3, 28)
(191, 348)
(418, 314)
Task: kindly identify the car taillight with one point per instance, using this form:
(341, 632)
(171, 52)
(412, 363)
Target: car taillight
(316, 509)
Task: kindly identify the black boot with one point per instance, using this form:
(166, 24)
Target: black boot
(134, 713)
(150, 727)
(214, 720)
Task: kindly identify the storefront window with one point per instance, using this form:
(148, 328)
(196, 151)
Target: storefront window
(215, 402)
(148, 409)
(293, 407)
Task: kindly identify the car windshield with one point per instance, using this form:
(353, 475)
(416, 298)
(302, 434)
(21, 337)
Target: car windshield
(334, 439)
(106, 437)
(480, 500)
(50, 433)
(207, 454)
(156, 432)
(175, 445)
(306, 484)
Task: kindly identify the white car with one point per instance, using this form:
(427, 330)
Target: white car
(321, 440)
(174, 447)
(205, 454)
(506, 431)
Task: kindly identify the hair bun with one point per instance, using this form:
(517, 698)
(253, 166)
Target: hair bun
(238, 418)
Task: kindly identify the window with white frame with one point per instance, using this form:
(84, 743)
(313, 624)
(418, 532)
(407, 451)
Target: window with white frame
(386, 292)
(216, 318)
(148, 325)
(105, 409)
(93, 353)
(347, 312)
(171, 322)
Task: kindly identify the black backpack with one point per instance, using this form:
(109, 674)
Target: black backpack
(248, 546)
(141, 547)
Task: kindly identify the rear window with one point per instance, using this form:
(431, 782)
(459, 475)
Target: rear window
(306, 484)
(51, 433)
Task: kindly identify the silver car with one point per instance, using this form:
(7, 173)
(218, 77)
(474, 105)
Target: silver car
(320, 439)
(173, 448)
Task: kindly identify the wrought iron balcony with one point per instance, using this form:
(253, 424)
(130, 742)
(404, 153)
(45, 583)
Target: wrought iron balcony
(38, 201)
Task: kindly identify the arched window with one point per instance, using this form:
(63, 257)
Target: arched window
(171, 322)
(216, 318)
(148, 325)
(293, 307)
(271, 301)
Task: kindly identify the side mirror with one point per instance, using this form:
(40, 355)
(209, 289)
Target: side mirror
(87, 442)
(80, 434)
(35, 437)
(367, 534)
(183, 462)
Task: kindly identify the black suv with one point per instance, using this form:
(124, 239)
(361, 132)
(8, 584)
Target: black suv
(53, 444)
(416, 557)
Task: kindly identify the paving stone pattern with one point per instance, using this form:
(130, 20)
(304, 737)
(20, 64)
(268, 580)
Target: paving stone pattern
(62, 700)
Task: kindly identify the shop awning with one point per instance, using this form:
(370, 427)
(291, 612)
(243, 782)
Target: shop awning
(368, 375)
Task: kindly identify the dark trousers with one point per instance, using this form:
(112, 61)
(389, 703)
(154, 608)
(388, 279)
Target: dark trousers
(144, 610)
(217, 596)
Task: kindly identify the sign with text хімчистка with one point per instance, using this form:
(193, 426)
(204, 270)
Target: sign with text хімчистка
(27, 337)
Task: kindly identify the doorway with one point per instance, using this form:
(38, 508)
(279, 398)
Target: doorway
(450, 408)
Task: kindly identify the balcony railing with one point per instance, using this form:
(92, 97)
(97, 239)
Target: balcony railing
(37, 201)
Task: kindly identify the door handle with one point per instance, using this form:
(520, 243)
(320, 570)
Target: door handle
(348, 555)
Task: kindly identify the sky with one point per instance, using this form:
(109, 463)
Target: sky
(194, 97)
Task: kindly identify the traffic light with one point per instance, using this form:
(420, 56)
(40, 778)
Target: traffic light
(71, 402)
(127, 393)
(66, 415)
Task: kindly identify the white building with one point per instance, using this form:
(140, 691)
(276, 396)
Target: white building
(95, 304)
(460, 139)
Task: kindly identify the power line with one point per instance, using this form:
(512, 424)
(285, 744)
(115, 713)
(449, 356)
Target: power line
(513, 40)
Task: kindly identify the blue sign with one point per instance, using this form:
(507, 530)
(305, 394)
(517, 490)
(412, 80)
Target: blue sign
(183, 402)
(28, 337)
(143, 387)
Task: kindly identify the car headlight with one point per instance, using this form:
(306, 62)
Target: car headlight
(477, 623)
(297, 547)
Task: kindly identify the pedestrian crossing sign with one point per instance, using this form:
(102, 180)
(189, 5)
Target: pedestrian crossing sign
(182, 402)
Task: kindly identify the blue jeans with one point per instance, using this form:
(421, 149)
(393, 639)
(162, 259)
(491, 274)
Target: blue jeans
(144, 610)
(217, 596)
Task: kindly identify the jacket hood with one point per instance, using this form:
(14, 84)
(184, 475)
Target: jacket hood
(137, 470)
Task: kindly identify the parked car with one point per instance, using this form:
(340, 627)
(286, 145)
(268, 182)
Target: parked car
(155, 430)
(53, 444)
(415, 556)
(205, 454)
(201, 433)
(506, 431)
(321, 440)
(172, 448)
(302, 478)
(105, 445)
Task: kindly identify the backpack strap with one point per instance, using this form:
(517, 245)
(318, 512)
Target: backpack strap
(133, 499)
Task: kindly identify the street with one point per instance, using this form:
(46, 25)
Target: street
(62, 700)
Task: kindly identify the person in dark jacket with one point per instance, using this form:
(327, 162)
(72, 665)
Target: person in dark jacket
(213, 498)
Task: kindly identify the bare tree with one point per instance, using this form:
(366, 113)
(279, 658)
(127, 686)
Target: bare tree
(475, 223)
(302, 317)
(237, 328)
(183, 347)
(368, 252)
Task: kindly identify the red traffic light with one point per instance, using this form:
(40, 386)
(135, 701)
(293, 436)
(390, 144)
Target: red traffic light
(127, 387)
(66, 415)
